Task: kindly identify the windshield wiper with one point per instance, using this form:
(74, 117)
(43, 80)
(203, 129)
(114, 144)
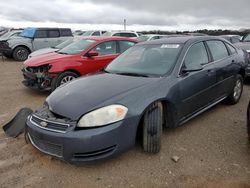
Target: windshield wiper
(132, 74)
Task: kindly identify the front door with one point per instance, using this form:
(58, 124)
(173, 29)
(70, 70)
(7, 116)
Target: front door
(196, 88)
(107, 51)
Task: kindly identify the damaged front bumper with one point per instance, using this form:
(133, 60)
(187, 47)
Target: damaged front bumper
(60, 138)
(37, 78)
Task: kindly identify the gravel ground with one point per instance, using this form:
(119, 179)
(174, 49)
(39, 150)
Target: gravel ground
(213, 148)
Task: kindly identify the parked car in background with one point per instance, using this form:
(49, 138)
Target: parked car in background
(8, 35)
(149, 37)
(129, 34)
(244, 44)
(32, 39)
(89, 55)
(92, 33)
(158, 83)
(78, 32)
(196, 34)
(231, 38)
(54, 49)
(248, 120)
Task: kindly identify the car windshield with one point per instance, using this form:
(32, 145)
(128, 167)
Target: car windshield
(143, 38)
(87, 33)
(10, 34)
(64, 44)
(247, 38)
(76, 47)
(147, 60)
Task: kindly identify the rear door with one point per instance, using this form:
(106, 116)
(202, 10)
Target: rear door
(196, 88)
(54, 37)
(107, 51)
(223, 61)
(40, 40)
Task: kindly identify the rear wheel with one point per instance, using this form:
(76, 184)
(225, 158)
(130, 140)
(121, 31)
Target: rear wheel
(152, 128)
(20, 53)
(62, 79)
(235, 95)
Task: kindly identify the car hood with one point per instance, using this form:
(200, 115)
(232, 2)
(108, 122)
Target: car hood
(43, 51)
(243, 45)
(48, 58)
(88, 93)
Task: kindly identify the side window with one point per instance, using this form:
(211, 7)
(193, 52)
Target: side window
(65, 32)
(196, 55)
(54, 33)
(231, 49)
(155, 37)
(218, 49)
(235, 40)
(106, 48)
(96, 33)
(124, 45)
(41, 34)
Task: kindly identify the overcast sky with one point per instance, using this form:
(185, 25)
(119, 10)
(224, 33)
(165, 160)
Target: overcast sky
(140, 14)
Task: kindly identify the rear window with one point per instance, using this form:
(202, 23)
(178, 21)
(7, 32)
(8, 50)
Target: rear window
(218, 49)
(65, 32)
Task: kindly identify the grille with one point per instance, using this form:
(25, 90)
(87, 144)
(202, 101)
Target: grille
(98, 153)
(46, 147)
(50, 125)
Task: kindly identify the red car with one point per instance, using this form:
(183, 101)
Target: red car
(89, 55)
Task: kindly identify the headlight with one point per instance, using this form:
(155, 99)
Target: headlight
(103, 116)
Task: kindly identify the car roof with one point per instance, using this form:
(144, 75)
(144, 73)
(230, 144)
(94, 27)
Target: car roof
(179, 40)
(103, 38)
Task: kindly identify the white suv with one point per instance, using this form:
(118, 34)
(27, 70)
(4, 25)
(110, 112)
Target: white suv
(129, 34)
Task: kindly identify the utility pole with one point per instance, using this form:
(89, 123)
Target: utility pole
(125, 24)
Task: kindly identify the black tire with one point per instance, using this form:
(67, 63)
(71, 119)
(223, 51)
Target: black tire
(20, 53)
(248, 121)
(152, 128)
(235, 95)
(57, 81)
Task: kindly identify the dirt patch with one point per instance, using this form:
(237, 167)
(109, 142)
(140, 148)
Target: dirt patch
(213, 148)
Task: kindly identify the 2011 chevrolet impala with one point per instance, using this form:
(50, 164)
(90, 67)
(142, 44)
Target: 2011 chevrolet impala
(153, 84)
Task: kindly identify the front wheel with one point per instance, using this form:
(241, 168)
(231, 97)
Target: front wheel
(152, 128)
(20, 53)
(62, 79)
(235, 95)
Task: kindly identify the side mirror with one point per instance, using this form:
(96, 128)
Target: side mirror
(92, 54)
(192, 68)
